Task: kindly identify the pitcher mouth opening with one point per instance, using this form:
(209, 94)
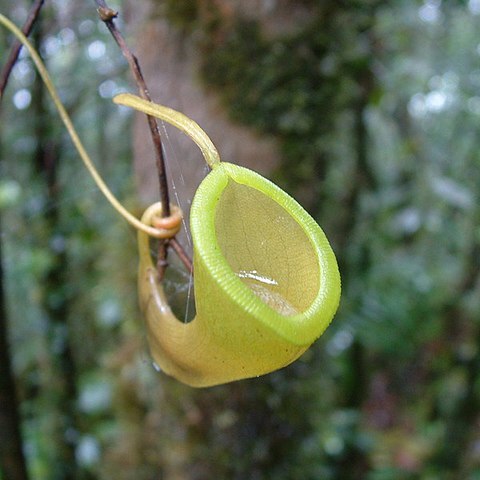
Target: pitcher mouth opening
(266, 248)
(265, 251)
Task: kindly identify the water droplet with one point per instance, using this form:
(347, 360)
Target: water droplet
(254, 275)
(156, 367)
(261, 286)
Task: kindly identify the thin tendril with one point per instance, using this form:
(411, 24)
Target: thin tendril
(135, 222)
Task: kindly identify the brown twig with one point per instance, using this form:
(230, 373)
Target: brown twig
(107, 15)
(17, 46)
(181, 254)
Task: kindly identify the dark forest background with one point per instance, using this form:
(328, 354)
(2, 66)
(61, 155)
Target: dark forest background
(368, 112)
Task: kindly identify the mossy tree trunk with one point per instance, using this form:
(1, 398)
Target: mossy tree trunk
(262, 67)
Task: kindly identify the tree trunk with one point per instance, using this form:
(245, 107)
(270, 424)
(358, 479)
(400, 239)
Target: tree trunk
(12, 459)
(60, 387)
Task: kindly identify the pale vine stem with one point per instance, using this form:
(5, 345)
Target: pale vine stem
(116, 204)
(107, 15)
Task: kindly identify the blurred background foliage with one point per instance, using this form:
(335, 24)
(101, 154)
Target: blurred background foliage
(376, 108)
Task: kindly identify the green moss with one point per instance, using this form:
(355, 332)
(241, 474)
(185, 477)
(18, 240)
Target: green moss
(294, 87)
(182, 14)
